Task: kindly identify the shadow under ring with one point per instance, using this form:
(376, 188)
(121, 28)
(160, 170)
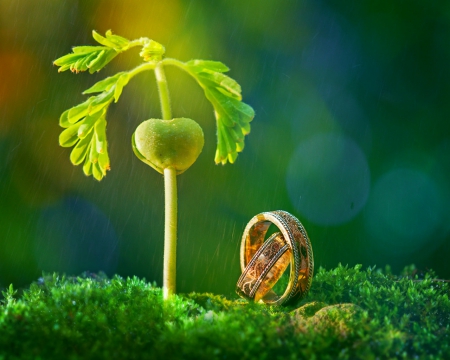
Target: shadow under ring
(263, 262)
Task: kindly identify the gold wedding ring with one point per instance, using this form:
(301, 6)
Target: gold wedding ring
(263, 262)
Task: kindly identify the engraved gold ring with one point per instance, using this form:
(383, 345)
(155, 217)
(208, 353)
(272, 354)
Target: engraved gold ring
(263, 262)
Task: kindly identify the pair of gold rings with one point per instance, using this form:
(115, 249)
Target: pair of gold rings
(263, 262)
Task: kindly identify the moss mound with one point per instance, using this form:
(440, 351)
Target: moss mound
(350, 313)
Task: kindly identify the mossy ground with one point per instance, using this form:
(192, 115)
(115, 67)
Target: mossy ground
(349, 313)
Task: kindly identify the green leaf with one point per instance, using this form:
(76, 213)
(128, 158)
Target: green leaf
(100, 136)
(93, 108)
(100, 101)
(232, 115)
(85, 124)
(102, 40)
(91, 144)
(93, 58)
(68, 59)
(233, 119)
(87, 167)
(102, 60)
(93, 154)
(64, 67)
(121, 82)
(120, 42)
(64, 119)
(232, 157)
(105, 84)
(80, 151)
(103, 162)
(88, 124)
(202, 65)
(78, 112)
(115, 42)
(97, 57)
(86, 49)
(221, 82)
(97, 171)
(111, 87)
(221, 147)
(87, 60)
(69, 136)
(86, 127)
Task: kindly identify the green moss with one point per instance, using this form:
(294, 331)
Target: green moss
(349, 313)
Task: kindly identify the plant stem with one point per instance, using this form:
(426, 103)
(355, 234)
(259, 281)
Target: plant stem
(163, 92)
(140, 68)
(170, 197)
(170, 232)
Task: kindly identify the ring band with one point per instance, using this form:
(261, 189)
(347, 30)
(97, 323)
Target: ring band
(264, 269)
(263, 262)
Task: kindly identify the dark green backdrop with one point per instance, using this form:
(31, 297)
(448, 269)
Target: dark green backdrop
(351, 135)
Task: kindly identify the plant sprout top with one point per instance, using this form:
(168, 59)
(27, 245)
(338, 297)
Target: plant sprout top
(85, 124)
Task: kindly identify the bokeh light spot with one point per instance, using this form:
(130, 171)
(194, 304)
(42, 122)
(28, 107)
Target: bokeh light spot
(328, 179)
(403, 211)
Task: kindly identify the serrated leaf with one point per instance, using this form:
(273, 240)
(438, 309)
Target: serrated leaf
(217, 156)
(232, 115)
(245, 128)
(87, 167)
(68, 59)
(88, 124)
(100, 136)
(86, 49)
(69, 136)
(121, 82)
(102, 40)
(80, 151)
(232, 157)
(240, 146)
(77, 65)
(97, 171)
(223, 107)
(221, 146)
(64, 119)
(121, 42)
(82, 60)
(103, 162)
(78, 112)
(98, 58)
(236, 134)
(230, 110)
(93, 58)
(223, 81)
(246, 112)
(93, 154)
(103, 60)
(88, 60)
(200, 65)
(104, 84)
(100, 101)
(230, 144)
(64, 68)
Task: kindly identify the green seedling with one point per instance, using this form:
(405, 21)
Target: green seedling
(169, 145)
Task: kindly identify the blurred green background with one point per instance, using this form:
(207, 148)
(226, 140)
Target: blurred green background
(351, 135)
